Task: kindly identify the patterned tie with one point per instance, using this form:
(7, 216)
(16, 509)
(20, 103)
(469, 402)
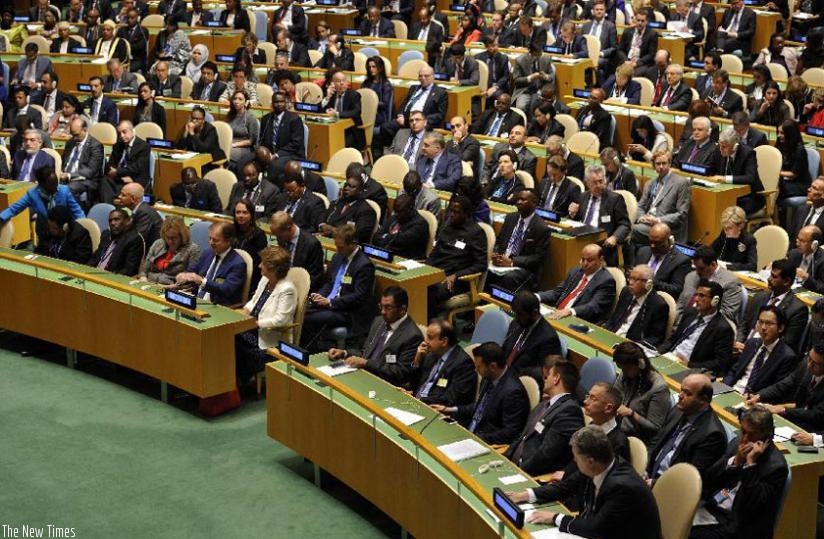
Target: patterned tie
(536, 417)
(574, 294)
(496, 126)
(659, 84)
(756, 368)
(433, 376)
(209, 275)
(593, 203)
(667, 97)
(409, 152)
(517, 239)
(693, 153)
(427, 169)
(479, 408)
(549, 196)
(380, 342)
(275, 133)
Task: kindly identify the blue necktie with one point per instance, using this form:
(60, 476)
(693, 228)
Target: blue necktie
(517, 240)
(410, 149)
(26, 168)
(338, 281)
(496, 126)
(275, 132)
(209, 275)
(433, 376)
(479, 409)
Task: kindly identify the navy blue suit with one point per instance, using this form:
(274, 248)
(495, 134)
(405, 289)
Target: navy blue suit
(593, 303)
(632, 91)
(780, 363)
(226, 285)
(504, 413)
(107, 112)
(447, 172)
(41, 159)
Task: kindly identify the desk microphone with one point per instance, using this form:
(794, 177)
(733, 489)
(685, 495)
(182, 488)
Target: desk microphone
(701, 239)
(434, 417)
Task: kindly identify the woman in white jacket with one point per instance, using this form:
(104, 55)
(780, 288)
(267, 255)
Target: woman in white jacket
(273, 305)
(777, 53)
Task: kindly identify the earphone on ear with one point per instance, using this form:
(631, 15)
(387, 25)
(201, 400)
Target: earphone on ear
(715, 301)
(648, 285)
(814, 245)
(671, 240)
(515, 165)
(66, 227)
(617, 160)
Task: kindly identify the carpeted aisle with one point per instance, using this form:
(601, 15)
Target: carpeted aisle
(81, 452)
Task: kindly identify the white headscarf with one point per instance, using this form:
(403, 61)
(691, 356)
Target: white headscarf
(193, 69)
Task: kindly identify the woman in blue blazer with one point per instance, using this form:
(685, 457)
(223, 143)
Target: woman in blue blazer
(46, 194)
(621, 85)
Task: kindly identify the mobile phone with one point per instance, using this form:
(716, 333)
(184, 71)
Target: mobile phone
(807, 449)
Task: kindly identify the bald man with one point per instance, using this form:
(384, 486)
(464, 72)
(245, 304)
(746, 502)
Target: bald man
(144, 217)
(587, 292)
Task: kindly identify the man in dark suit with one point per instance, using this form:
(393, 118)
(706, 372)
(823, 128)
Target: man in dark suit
(20, 95)
(502, 406)
(737, 28)
(638, 44)
(442, 373)
(119, 80)
(678, 95)
(699, 149)
(703, 82)
(574, 164)
(780, 281)
(31, 67)
(209, 87)
(529, 33)
(736, 163)
(282, 132)
(606, 33)
(721, 99)
(200, 136)
(804, 389)
(749, 136)
(605, 209)
(426, 97)
(145, 218)
(462, 69)
(530, 72)
(692, 23)
(100, 107)
(529, 338)
(498, 67)
(38, 12)
(49, 97)
(497, 121)
(173, 8)
(527, 161)
(194, 192)
(703, 338)
(372, 189)
(464, 145)
(408, 142)
(128, 162)
(766, 359)
(460, 250)
(618, 176)
(138, 38)
(556, 191)
(405, 233)
(263, 195)
(692, 432)
(376, 26)
(809, 258)
(521, 245)
(304, 247)
(220, 272)
(163, 83)
(587, 291)
(640, 314)
(344, 102)
(198, 16)
(438, 168)
(83, 162)
(621, 507)
(291, 17)
(391, 344)
(92, 30)
(669, 265)
(543, 445)
(30, 157)
(351, 207)
(305, 208)
(121, 247)
(813, 213)
(753, 468)
(425, 29)
(657, 74)
(346, 298)
(337, 55)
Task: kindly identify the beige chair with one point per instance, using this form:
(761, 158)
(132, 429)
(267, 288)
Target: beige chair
(594, 49)
(94, 231)
(768, 159)
(315, 56)
(778, 72)
(695, 95)
(360, 62)
(732, 63)
(703, 42)
(577, 182)
(647, 90)
(620, 18)
(432, 223)
(265, 92)
(460, 303)
(224, 179)
(483, 76)
(522, 114)
(224, 139)
(152, 21)
(244, 294)
(773, 243)
(146, 130)
(583, 142)
(390, 168)
(387, 64)
(677, 493)
(323, 199)
(401, 31)
(569, 123)
(308, 92)
(466, 168)
(637, 454)
(58, 160)
(139, 77)
(660, 17)
(342, 158)
(43, 114)
(43, 44)
(186, 85)
(270, 49)
(411, 67)
(791, 107)
(369, 111)
(377, 210)
(7, 234)
(620, 282)
(673, 311)
(532, 391)
(104, 132)
(814, 75)
(501, 4)
(631, 203)
(741, 94)
(526, 178)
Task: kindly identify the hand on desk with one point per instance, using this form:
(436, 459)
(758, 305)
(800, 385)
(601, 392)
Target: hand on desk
(518, 497)
(326, 230)
(802, 438)
(778, 410)
(450, 282)
(561, 313)
(189, 277)
(441, 409)
(356, 362)
(751, 400)
(336, 354)
(542, 517)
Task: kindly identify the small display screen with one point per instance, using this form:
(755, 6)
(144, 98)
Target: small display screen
(377, 252)
(293, 352)
(501, 294)
(181, 298)
(547, 215)
(514, 513)
(160, 143)
(692, 167)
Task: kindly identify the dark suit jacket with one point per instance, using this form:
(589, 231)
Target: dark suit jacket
(157, 115)
(755, 138)
(795, 310)
(39, 98)
(632, 91)
(746, 25)
(434, 108)
(649, 45)
(456, 382)
(147, 222)
(702, 445)
(345, 60)
(469, 149)
(671, 271)
(41, 159)
(713, 349)
(541, 340)
(795, 387)
(755, 507)
(447, 171)
(241, 20)
(169, 88)
(205, 141)
(568, 192)
(204, 196)
(744, 171)
(359, 213)
(613, 216)
(539, 37)
(693, 26)
(455, 260)
(536, 241)
(299, 24)
(526, 160)
(107, 113)
(471, 73)
(394, 363)
(226, 284)
(650, 324)
(205, 17)
(815, 281)
(801, 217)
(780, 363)
(385, 28)
(482, 125)
(265, 197)
(309, 256)
(137, 161)
(731, 102)
(76, 246)
(548, 450)
(410, 240)
(623, 509)
(176, 8)
(138, 37)
(215, 92)
(705, 155)
(351, 108)
(703, 85)
(307, 212)
(290, 136)
(355, 296)
(594, 301)
(89, 163)
(127, 254)
(506, 410)
(434, 36)
(128, 83)
(680, 99)
(11, 114)
(499, 71)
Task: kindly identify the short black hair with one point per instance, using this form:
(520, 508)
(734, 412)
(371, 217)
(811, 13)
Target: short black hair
(716, 290)
(490, 352)
(570, 377)
(399, 296)
(780, 316)
(705, 254)
(786, 269)
(446, 330)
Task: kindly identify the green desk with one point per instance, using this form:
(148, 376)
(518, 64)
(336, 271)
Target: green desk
(333, 423)
(10, 192)
(101, 317)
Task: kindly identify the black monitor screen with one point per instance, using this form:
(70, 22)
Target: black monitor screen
(183, 299)
(293, 352)
(514, 513)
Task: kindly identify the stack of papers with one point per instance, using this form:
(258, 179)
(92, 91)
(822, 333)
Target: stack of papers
(182, 156)
(407, 418)
(499, 270)
(554, 533)
(463, 449)
(410, 264)
(783, 434)
(512, 479)
(329, 370)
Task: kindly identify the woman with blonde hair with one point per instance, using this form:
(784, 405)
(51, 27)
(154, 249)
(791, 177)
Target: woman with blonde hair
(735, 247)
(170, 254)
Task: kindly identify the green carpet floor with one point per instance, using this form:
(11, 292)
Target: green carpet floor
(103, 457)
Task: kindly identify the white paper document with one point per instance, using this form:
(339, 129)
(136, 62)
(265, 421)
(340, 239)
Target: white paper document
(463, 449)
(512, 479)
(329, 370)
(410, 264)
(182, 156)
(500, 270)
(554, 533)
(407, 418)
(783, 434)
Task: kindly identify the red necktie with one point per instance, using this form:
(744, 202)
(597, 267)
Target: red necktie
(574, 294)
(667, 96)
(658, 86)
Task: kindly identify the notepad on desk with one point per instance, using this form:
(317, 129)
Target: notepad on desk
(407, 418)
(333, 371)
(463, 449)
(553, 533)
(783, 434)
(410, 264)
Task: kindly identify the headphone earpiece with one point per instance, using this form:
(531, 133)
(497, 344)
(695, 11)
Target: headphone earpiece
(671, 240)
(617, 160)
(515, 165)
(66, 228)
(642, 363)
(648, 285)
(814, 245)
(715, 301)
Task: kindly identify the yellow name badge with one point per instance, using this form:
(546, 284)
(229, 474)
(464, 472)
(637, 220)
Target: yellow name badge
(442, 382)
(219, 280)
(347, 279)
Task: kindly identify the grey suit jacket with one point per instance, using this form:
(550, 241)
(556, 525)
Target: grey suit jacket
(89, 169)
(400, 140)
(42, 64)
(471, 72)
(524, 67)
(394, 362)
(730, 303)
(128, 81)
(609, 37)
(671, 204)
